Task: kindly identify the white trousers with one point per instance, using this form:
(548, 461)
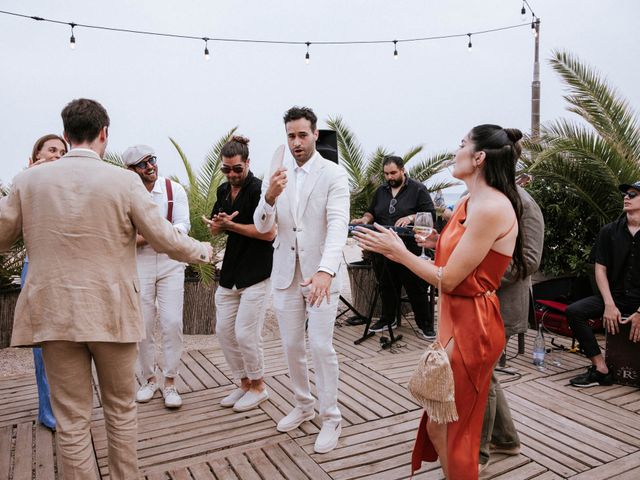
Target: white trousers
(292, 310)
(239, 318)
(161, 297)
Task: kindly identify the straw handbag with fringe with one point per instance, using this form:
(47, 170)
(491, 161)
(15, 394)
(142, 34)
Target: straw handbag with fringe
(432, 382)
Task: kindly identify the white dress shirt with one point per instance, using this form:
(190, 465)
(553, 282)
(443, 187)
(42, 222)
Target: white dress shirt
(180, 214)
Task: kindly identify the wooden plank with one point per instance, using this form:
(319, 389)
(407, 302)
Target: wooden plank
(5, 451)
(298, 456)
(263, 465)
(22, 467)
(629, 463)
(222, 470)
(44, 454)
(242, 467)
(201, 471)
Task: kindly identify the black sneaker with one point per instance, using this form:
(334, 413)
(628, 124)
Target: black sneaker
(428, 334)
(382, 325)
(592, 378)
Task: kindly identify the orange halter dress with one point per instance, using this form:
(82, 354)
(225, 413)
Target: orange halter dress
(470, 317)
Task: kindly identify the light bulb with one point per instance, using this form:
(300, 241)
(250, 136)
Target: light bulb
(307, 59)
(470, 45)
(523, 12)
(395, 50)
(206, 53)
(72, 42)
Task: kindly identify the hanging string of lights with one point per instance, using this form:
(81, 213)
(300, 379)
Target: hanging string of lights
(535, 21)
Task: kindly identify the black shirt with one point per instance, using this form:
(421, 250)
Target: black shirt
(619, 251)
(247, 260)
(413, 197)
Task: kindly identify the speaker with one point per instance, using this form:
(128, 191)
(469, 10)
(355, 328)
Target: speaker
(327, 144)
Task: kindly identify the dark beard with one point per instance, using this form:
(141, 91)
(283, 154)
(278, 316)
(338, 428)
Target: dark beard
(394, 183)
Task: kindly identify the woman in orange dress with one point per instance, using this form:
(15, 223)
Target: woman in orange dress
(472, 253)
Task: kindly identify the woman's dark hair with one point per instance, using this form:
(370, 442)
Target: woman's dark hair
(296, 113)
(42, 140)
(393, 159)
(502, 149)
(237, 145)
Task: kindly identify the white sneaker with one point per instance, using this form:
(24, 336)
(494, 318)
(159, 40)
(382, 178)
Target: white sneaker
(250, 400)
(294, 419)
(232, 398)
(171, 397)
(146, 392)
(327, 438)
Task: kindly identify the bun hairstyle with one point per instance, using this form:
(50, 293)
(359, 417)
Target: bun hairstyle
(502, 150)
(237, 145)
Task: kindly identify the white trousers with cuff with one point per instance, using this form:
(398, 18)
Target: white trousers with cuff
(240, 316)
(161, 297)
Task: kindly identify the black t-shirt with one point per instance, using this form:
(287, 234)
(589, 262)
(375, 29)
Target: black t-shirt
(619, 251)
(247, 261)
(413, 197)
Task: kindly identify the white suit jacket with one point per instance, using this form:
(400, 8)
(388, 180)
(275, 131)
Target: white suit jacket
(315, 230)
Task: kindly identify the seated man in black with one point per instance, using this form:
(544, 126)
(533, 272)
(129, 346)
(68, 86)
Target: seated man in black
(397, 203)
(617, 253)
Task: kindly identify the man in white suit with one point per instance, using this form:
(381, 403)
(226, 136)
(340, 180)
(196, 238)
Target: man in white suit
(308, 198)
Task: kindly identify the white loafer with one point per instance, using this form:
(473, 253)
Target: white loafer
(250, 400)
(293, 420)
(232, 398)
(327, 438)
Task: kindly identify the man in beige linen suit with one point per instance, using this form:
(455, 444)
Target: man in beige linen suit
(78, 217)
(308, 199)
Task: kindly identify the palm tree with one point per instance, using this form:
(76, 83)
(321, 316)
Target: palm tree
(579, 165)
(201, 191)
(365, 173)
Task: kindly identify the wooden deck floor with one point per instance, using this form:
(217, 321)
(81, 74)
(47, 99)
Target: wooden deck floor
(566, 432)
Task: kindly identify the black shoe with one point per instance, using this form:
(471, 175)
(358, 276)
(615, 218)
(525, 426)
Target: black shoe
(428, 334)
(382, 325)
(592, 378)
(356, 321)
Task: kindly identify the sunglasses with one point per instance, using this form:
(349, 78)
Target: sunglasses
(630, 194)
(236, 169)
(143, 163)
(392, 206)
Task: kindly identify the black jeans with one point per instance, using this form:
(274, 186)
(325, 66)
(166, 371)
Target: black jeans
(579, 313)
(391, 278)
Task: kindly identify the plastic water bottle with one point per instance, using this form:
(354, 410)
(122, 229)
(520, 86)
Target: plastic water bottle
(539, 348)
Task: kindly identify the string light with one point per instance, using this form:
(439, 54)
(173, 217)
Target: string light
(206, 49)
(470, 46)
(72, 40)
(526, 6)
(523, 12)
(533, 28)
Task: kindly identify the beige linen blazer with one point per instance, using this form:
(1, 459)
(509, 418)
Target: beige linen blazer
(514, 292)
(78, 217)
(315, 231)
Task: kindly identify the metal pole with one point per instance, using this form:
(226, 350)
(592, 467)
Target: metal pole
(535, 86)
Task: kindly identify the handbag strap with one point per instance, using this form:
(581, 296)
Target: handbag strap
(439, 273)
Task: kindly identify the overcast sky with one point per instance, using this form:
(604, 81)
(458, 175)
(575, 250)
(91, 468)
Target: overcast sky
(154, 88)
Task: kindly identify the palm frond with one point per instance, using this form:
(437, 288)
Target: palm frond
(352, 156)
(430, 166)
(599, 104)
(114, 159)
(413, 151)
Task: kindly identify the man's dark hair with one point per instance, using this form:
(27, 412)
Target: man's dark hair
(237, 145)
(393, 159)
(83, 119)
(296, 113)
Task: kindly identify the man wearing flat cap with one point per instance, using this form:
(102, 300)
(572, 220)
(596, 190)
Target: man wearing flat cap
(161, 280)
(617, 256)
